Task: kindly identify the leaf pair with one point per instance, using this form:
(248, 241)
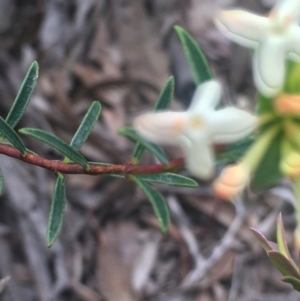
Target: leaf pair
(280, 255)
(71, 152)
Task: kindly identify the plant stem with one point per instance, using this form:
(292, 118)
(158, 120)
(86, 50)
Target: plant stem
(95, 168)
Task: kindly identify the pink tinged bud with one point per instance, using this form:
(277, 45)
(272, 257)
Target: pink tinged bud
(287, 105)
(232, 181)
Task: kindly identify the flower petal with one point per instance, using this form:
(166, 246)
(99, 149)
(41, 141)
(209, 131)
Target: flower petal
(294, 43)
(241, 27)
(269, 66)
(287, 9)
(206, 97)
(231, 124)
(161, 127)
(199, 159)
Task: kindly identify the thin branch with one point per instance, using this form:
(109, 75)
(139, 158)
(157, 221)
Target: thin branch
(199, 272)
(94, 168)
(184, 226)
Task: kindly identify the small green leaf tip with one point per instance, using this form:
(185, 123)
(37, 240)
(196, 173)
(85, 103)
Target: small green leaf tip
(86, 125)
(293, 281)
(163, 102)
(169, 178)
(12, 136)
(158, 203)
(24, 95)
(195, 57)
(130, 133)
(262, 240)
(285, 266)
(281, 240)
(57, 144)
(57, 210)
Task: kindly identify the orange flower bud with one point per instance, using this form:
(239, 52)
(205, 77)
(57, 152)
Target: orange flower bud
(288, 105)
(232, 181)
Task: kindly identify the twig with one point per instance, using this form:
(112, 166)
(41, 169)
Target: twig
(184, 227)
(226, 243)
(94, 169)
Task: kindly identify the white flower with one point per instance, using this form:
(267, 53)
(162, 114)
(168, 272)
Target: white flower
(273, 38)
(197, 129)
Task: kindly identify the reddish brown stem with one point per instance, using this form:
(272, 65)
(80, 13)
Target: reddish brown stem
(95, 169)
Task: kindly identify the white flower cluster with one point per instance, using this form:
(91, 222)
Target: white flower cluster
(272, 39)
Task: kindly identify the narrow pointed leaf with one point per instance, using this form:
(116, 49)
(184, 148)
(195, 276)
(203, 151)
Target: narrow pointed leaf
(158, 203)
(12, 136)
(293, 281)
(86, 125)
(57, 210)
(163, 102)
(235, 151)
(129, 132)
(196, 58)
(281, 241)
(283, 264)
(262, 240)
(24, 95)
(291, 85)
(268, 173)
(165, 96)
(169, 179)
(56, 143)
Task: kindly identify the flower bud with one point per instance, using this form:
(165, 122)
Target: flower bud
(232, 181)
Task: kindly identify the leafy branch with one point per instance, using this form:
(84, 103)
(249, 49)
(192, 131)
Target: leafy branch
(74, 162)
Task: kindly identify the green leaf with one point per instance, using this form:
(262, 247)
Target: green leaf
(196, 58)
(57, 210)
(293, 281)
(165, 96)
(283, 264)
(24, 95)
(169, 179)
(269, 172)
(163, 102)
(129, 132)
(262, 240)
(12, 136)
(56, 143)
(264, 104)
(292, 83)
(158, 203)
(86, 125)
(281, 241)
(1, 182)
(235, 151)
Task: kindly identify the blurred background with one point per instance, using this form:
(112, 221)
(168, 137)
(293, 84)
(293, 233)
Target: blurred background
(121, 52)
